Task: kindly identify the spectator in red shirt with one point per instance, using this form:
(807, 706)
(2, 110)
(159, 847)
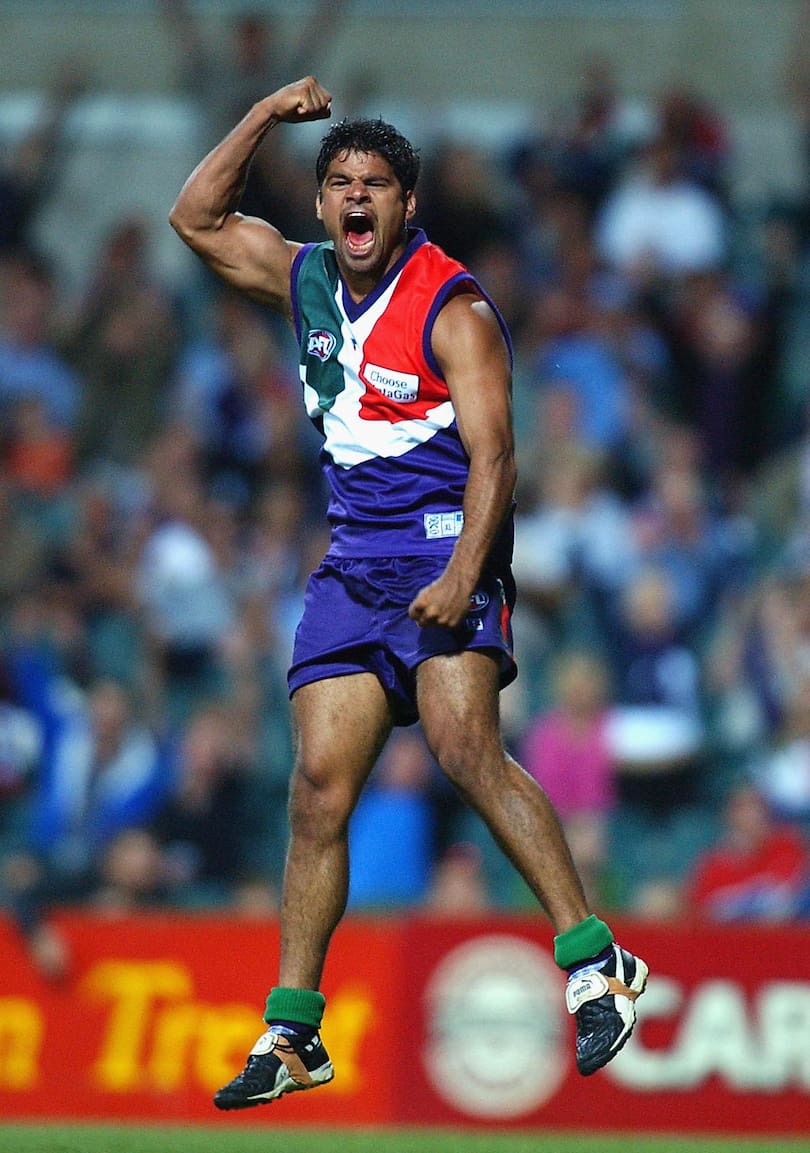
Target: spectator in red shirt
(759, 870)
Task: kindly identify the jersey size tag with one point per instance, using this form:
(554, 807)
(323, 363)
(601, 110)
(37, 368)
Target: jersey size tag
(439, 525)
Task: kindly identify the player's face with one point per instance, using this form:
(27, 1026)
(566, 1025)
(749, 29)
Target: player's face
(363, 210)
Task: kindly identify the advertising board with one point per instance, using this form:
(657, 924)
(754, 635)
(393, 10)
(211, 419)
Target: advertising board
(159, 1011)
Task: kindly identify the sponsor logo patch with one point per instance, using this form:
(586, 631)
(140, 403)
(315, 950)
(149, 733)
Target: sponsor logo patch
(479, 601)
(321, 343)
(402, 387)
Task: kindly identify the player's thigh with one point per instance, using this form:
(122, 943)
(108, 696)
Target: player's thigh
(457, 695)
(340, 725)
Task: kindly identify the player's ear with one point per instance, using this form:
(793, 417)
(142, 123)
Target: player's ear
(410, 205)
(318, 210)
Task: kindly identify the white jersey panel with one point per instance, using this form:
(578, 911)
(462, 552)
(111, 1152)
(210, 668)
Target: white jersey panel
(349, 438)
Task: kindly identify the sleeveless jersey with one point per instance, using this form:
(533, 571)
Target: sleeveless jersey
(392, 453)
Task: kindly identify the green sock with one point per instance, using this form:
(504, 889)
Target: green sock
(304, 1006)
(585, 940)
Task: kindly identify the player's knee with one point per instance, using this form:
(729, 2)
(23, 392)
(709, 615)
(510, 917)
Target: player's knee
(467, 763)
(319, 801)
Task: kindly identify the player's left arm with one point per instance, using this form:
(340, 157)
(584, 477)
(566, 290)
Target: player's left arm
(470, 348)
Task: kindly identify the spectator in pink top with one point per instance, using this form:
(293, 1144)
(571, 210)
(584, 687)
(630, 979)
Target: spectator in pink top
(566, 751)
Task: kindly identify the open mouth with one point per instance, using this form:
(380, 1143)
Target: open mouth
(358, 228)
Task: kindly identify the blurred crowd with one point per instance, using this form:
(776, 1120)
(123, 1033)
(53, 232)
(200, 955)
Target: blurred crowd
(161, 508)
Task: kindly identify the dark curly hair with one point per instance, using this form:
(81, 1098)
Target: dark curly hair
(364, 135)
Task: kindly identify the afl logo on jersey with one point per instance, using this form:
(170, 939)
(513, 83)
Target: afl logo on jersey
(320, 343)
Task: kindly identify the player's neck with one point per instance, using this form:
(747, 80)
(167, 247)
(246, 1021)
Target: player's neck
(361, 283)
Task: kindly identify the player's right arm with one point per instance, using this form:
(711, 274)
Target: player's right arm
(246, 252)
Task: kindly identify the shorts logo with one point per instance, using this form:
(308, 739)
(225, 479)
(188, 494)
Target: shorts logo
(479, 601)
(402, 387)
(443, 524)
(321, 343)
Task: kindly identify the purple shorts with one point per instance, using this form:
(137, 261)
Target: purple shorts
(356, 621)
